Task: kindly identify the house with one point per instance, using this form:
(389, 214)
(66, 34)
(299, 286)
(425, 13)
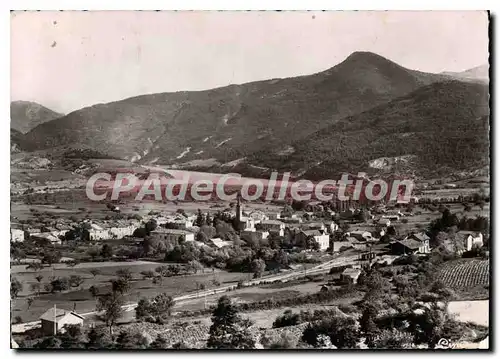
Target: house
(386, 222)
(98, 233)
(219, 243)
(47, 236)
(173, 234)
(337, 246)
(321, 238)
(361, 235)
(120, 229)
(423, 239)
(252, 237)
(356, 244)
(54, 319)
(273, 226)
(248, 224)
(331, 227)
(320, 226)
(16, 235)
(408, 246)
(470, 239)
(292, 220)
(348, 214)
(274, 215)
(391, 217)
(259, 216)
(13, 344)
(350, 275)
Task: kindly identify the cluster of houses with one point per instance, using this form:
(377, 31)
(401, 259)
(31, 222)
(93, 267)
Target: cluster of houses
(98, 230)
(255, 225)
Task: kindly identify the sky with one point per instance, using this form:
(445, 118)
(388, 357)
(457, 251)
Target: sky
(69, 60)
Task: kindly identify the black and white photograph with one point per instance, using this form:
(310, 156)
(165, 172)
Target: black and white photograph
(245, 180)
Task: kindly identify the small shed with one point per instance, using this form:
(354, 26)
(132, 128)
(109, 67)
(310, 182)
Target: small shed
(56, 319)
(350, 275)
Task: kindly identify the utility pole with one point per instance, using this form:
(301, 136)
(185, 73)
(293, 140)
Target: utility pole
(55, 320)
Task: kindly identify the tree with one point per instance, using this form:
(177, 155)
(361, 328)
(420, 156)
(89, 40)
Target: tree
(128, 340)
(200, 220)
(72, 337)
(155, 310)
(150, 226)
(51, 257)
(39, 278)
(111, 304)
(35, 266)
(160, 342)
(124, 274)
(98, 338)
(120, 285)
(75, 281)
(194, 266)
(367, 325)
(15, 287)
(258, 267)
(392, 339)
(429, 325)
(17, 253)
(147, 274)
(94, 291)
(228, 330)
(35, 287)
(59, 284)
(49, 343)
(30, 301)
(287, 319)
(343, 331)
(208, 219)
(286, 341)
(106, 251)
(93, 253)
(95, 272)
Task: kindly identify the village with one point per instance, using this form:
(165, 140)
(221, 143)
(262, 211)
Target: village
(282, 244)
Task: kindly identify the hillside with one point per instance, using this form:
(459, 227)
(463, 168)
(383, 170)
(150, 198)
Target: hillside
(442, 127)
(226, 124)
(479, 73)
(25, 115)
(16, 141)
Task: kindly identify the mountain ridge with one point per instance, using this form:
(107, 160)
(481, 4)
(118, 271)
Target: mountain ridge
(234, 121)
(26, 115)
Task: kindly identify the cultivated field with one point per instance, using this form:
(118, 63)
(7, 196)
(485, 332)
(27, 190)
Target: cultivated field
(465, 273)
(81, 299)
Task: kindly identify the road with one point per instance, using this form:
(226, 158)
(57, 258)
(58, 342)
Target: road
(321, 268)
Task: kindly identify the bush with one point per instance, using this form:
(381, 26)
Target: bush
(287, 319)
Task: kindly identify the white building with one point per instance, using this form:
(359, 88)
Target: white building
(219, 243)
(47, 236)
(173, 234)
(361, 235)
(55, 319)
(273, 226)
(471, 239)
(319, 237)
(16, 235)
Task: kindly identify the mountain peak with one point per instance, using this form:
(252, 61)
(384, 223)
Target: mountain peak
(26, 115)
(366, 59)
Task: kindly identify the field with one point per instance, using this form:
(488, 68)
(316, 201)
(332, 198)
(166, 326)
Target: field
(465, 273)
(469, 278)
(82, 301)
